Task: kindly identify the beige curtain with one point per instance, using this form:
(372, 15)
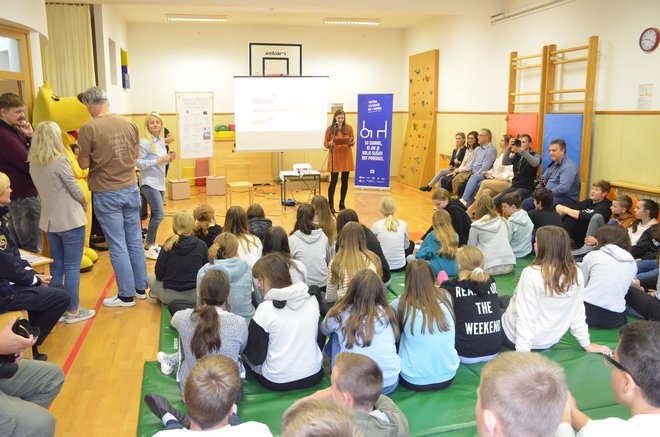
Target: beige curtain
(68, 57)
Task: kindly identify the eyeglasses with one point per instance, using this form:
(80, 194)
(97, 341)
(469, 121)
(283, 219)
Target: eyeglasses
(609, 361)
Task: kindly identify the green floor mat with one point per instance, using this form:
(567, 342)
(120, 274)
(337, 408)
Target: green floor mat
(448, 412)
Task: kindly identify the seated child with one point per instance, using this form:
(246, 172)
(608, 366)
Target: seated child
(439, 247)
(364, 323)
(206, 330)
(428, 358)
(608, 273)
(282, 350)
(520, 225)
(476, 306)
(543, 213)
(490, 234)
(258, 224)
(177, 265)
(205, 227)
(352, 257)
(223, 255)
(209, 396)
(549, 299)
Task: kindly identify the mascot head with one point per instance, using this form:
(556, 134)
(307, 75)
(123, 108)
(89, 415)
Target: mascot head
(67, 112)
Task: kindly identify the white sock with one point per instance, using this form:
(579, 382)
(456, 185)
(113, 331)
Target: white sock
(167, 417)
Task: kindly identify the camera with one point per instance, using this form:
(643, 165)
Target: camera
(517, 142)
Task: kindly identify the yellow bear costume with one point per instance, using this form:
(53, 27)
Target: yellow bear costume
(70, 115)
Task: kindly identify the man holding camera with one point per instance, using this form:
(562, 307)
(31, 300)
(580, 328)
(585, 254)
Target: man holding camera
(562, 177)
(525, 163)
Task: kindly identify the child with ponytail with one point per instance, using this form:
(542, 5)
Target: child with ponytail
(476, 305)
(206, 228)
(178, 262)
(392, 233)
(223, 255)
(210, 328)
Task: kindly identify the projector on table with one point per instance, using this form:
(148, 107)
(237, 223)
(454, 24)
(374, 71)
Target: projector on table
(302, 169)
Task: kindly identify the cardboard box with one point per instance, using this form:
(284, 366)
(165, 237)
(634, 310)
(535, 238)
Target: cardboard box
(178, 189)
(215, 185)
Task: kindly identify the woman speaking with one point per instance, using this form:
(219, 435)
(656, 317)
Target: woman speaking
(339, 141)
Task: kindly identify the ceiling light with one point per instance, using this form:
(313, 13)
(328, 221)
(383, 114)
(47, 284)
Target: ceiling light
(196, 18)
(352, 21)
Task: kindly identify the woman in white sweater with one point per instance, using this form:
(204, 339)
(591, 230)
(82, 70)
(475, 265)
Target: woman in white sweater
(489, 232)
(548, 299)
(608, 273)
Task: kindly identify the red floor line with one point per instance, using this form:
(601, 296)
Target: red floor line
(88, 325)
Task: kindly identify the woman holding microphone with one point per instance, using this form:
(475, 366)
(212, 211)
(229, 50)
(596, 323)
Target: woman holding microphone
(339, 140)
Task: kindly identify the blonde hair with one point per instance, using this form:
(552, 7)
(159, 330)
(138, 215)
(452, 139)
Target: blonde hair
(236, 223)
(183, 223)
(388, 208)
(318, 418)
(46, 144)
(203, 216)
(352, 255)
(526, 391)
(224, 246)
(423, 296)
(445, 234)
(485, 206)
(470, 258)
(147, 133)
(325, 217)
(4, 182)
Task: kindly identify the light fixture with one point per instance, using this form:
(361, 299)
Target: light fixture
(352, 21)
(196, 18)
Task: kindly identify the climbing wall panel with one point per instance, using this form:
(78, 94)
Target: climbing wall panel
(417, 164)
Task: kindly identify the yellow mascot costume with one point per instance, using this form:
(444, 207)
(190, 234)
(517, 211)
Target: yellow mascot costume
(70, 115)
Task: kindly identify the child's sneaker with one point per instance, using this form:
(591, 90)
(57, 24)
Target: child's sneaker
(152, 252)
(167, 362)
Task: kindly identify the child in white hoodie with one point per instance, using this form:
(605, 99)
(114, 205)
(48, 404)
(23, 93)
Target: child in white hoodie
(520, 225)
(608, 273)
(489, 233)
(309, 244)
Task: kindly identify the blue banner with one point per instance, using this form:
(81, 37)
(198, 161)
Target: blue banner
(374, 140)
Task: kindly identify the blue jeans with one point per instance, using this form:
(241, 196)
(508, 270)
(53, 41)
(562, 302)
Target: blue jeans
(118, 212)
(155, 200)
(66, 248)
(472, 187)
(647, 270)
(24, 224)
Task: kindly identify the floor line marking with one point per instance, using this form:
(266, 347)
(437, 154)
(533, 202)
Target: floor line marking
(88, 325)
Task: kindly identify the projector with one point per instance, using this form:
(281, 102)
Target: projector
(302, 168)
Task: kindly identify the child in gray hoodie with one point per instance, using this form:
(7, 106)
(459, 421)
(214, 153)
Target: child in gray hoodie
(608, 273)
(489, 232)
(519, 223)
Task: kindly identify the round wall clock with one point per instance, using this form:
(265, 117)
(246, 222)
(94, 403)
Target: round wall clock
(649, 39)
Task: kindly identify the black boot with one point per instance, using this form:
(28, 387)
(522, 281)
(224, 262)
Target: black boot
(36, 355)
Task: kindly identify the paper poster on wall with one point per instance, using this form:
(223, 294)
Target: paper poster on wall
(194, 113)
(374, 132)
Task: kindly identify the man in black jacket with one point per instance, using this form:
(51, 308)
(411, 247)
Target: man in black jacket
(525, 163)
(24, 288)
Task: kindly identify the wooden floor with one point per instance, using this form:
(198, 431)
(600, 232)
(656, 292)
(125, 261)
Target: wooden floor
(103, 358)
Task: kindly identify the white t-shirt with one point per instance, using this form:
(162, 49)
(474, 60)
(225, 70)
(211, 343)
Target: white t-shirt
(640, 425)
(393, 243)
(252, 254)
(634, 236)
(247, 429)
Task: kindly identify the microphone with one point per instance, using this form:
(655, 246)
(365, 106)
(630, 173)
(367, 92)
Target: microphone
(335, 126)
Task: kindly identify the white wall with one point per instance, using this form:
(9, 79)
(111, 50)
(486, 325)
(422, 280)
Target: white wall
(29, 14)
(170, 57)
(474, 54)
(111, 25)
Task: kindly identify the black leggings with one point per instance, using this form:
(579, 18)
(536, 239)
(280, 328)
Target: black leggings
(307, 382)
(427, 387)
(333, 185)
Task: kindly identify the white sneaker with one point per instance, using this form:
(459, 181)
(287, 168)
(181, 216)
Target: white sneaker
(82, 314)
(62, 319)
(152, 252)
(167, 362)
(114, 301)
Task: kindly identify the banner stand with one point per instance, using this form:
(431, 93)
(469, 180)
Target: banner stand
(374, 141)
